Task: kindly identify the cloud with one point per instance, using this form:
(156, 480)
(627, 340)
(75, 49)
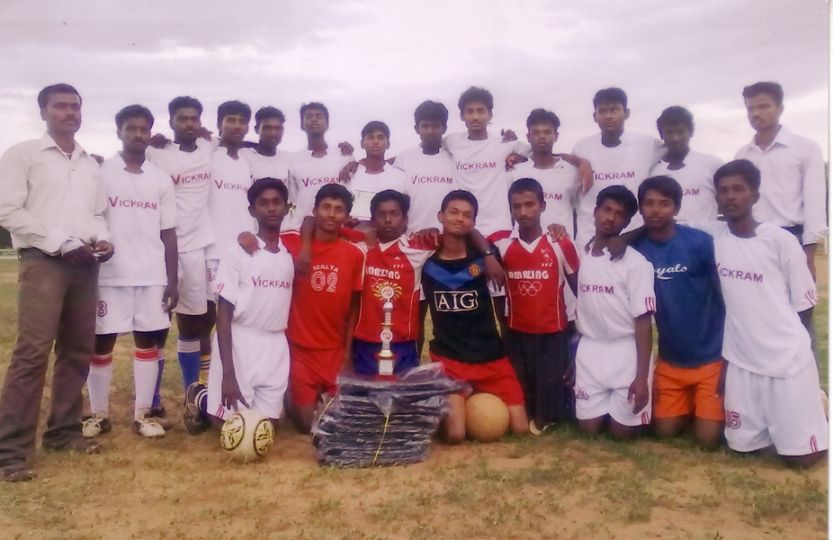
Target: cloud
(370, 60)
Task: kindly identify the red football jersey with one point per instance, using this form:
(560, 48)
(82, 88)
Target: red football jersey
(321, 299)
(535, 281)
(397, 265)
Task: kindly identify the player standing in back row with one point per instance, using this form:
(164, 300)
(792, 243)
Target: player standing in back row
(617, 157)
(188, 162)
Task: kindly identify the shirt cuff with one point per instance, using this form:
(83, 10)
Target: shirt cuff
(71, 245)
(53, 242)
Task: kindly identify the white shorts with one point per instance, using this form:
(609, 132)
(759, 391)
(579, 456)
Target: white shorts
(261, 366)
(130, 309)
(211, 267)
(192, 283)
(763, 411)
(604, 373)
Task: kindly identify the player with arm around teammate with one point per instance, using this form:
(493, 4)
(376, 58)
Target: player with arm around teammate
(466, 339)
(250, 358)
(614, 307)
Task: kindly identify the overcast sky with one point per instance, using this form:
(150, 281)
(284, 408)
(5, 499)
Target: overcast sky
(377, 60)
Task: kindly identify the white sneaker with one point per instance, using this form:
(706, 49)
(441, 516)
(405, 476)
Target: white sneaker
(148, 427)
(95, 425)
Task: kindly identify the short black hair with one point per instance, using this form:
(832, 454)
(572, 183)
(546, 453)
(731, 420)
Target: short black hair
(390, 195)
(740, 167)
(264, 113)
(621, 195)
(665, 185)
(610, 95)
(376, 125)
(233, 107)
(526, 184)
(431, 111)
(460, 195)
(184, 102)
(769, 88)
(675, 115)
(58, 88)
(476, 94)
(541, 116)
(314, 105)
(262, 184)
(133, 111)
(335, 191)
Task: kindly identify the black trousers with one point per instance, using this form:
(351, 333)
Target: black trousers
(541, 361)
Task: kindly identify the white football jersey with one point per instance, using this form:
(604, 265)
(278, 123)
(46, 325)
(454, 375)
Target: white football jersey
(627, 164)
(139, 206)
(190, 173)
(307, 174)
(480, 167)
(429, 179)
(765, 283)
(228, 205)
(364, 186)
(561, 188)
(611, 294)
(261, 166)
(696, 177)
(259, 286)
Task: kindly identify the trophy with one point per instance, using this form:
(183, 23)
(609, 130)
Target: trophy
(386, 357)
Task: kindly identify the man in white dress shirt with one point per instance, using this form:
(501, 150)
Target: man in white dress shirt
(52, 203)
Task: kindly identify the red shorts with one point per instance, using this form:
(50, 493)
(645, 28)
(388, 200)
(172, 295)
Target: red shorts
(312, 372)
(496, 377)
(682, 391)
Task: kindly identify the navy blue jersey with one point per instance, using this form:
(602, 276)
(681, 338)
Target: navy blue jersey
(461, 310)
(690, 311)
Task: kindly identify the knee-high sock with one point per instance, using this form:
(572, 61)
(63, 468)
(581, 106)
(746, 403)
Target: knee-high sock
(205, 363)
(188, 354)
(145, 371)
(98, 383)
(157, 398)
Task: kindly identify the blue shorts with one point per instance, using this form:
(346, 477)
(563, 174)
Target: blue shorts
(364, 356)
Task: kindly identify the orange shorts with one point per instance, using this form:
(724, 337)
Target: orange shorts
(312, 372)
(682, 391)
(496, 377)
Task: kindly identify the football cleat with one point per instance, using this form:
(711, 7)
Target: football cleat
(193, 418)
(148, 427)
(93, 426)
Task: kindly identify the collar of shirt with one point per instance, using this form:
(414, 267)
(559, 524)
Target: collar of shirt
(46, 142)
(516, 235)
(402, 240)
(784, 137)
(123, 164)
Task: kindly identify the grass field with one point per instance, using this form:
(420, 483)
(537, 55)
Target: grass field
(560, 485)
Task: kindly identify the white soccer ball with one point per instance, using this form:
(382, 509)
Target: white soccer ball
(247, 435)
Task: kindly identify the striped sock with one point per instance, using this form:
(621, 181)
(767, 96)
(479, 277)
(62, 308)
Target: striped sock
(98, 383)
(157, 398)
(188, 354)
(201, 400)
(145, 372)
(205, 363)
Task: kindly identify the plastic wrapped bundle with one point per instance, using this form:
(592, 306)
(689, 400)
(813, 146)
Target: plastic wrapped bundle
(383, 422)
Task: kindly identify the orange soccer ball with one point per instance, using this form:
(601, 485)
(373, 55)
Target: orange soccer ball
(487, 417)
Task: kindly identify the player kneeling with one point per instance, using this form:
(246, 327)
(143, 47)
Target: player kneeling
(614, 307)
(466, 340)
(537, 267)
(250, 354)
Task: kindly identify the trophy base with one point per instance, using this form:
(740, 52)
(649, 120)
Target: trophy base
(385, 367)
